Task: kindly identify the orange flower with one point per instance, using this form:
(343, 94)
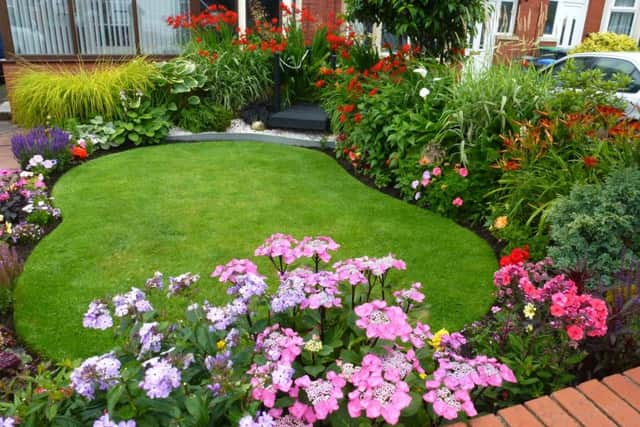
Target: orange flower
(319, 84)
(79, 152)
(609, 111)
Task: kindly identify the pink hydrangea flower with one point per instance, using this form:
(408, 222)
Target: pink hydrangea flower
(278, 245)
(447, 403)
(318, 246)
(381, 321)
(279, 344)
(457, 202)
(232, 269)
(351, 271)
(420, 335)
(323, 396)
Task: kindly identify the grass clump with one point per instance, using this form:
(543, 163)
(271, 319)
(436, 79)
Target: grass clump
(42, 95)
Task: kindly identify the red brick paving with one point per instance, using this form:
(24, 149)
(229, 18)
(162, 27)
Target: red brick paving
(614, 401)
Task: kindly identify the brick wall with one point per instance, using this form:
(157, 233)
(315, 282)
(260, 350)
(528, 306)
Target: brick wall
(594, 16)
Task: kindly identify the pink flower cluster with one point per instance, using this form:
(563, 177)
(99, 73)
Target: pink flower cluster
(356, 270)
(579, 314)
(281, 347)
(319, 247)
(384, 322)
(427, 177)
(322, 395)
(285, 246)
(234, 268)
(456, 376)
(379, 390)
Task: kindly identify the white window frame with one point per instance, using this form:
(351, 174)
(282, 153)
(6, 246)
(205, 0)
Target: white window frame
(612, 8)
(553, 25)
(512, 19)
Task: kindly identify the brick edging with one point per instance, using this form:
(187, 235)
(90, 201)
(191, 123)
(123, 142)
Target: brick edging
(614, 401)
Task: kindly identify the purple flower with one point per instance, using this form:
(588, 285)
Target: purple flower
(131, 303)
(180, 283)
(248, 286)
(97, 316)
(262, 419)
(453, 341)
(160, 378)
(102, 372)
(49, 143)
(7, 422)
(150, 338)
(219, 361)
(105, 421)
(223, 317)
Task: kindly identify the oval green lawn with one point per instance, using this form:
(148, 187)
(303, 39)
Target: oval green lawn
(188, 207)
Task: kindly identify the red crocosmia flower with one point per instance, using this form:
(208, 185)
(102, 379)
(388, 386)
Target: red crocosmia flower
(373, 91)
(350, 70)
(204, 53)
(618, 129)
(357, 118)
(345, 54)
(198, 39)
(252, 47)
(590, 162)
(319, 84)
(348, 108)
(343, 118)
(607, 110)
(79, 152)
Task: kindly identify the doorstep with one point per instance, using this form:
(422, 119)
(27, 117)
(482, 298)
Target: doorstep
(613, 401)
(5, 110)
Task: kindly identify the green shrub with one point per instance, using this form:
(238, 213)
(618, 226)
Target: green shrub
(200, 118)
(607, 42)
(83, 94)
(594, 230)
(143, 124)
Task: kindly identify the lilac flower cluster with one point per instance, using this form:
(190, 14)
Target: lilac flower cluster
(220, 318)
(132, 303)
(247, 286)
(456, 376)
(155, 282)
(150, 338)
(290, 294)
(102, 372)
(160, 378)
(8, 422)
(105, 421)
(221, 368)
(97, 316)
(26, 232)
(181, 282)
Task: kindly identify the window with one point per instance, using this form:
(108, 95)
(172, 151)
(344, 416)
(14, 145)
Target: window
(622, 17)
(507, 16)
(612, 66)
(551, 18)
(95, 27)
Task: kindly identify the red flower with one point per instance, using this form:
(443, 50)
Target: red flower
(79, 152)
(590, 161)
(373, 91)
(607, 110)
(198, 39)
(319, 84)
(348, 108)
(343, 118)
(252, 47)
(357, 118)
(517, 256)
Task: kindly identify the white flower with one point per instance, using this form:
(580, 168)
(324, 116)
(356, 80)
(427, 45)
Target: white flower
(437, 79)
(28, 208)
(424, 92)
(26, 174)
(422, 71)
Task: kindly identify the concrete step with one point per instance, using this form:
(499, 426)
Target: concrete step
(301, 117)
(5, 111)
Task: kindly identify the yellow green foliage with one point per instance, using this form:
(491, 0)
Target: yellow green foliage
(81, 94)
(606, 42)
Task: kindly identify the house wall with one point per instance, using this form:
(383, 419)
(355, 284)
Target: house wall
(595, 14)
(321, 10)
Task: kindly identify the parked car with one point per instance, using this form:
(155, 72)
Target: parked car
(611, 63)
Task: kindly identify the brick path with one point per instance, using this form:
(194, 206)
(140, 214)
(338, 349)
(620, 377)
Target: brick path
(614, 401)
(7, 129)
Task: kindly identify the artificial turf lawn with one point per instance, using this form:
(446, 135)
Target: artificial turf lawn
(189, 207)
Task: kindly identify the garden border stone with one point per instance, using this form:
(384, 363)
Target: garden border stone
(254, 137)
